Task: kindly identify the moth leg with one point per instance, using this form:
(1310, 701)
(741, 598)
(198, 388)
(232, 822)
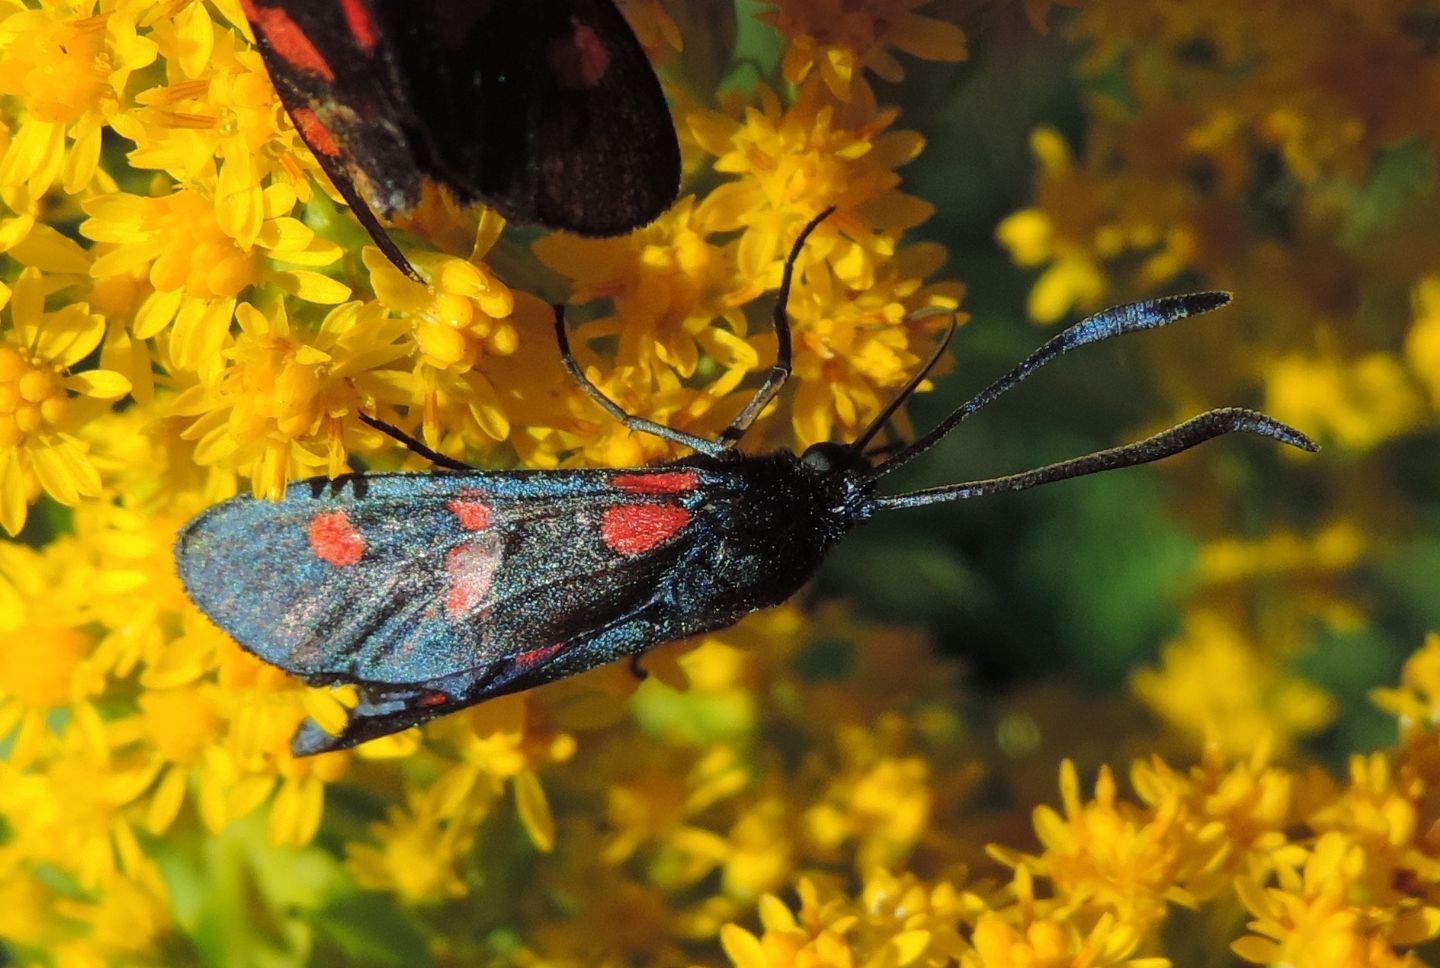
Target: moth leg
(780, 372)
(414, 445)
(630, 421)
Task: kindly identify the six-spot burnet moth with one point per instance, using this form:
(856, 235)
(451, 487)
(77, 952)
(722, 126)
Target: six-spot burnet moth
(546, 110)
(434, 591)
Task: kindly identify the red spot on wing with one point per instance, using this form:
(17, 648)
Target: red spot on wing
(288, 40)
(579, 59)
(473, 515)
(334, 539)
(667, 482)
(536, 656)
(316, 135)
(471, 571)
(432, 699)
(362, 28)
(633, 529)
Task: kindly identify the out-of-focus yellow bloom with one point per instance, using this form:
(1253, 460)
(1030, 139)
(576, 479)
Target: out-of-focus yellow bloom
(841, 39)
(1060, 233)
(881, 801)
(418, 848)
(1422, 343)
(1213, 683)
(1310, 919)
(1417, 700)
(1361, 403)
(655, 28)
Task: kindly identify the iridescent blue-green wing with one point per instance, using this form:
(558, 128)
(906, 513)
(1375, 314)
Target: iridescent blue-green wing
(436, 591)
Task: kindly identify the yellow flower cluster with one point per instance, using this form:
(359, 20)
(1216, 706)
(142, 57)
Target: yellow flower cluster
(186, 311)
(1286, 152)
(164, 244)
(1293, 867)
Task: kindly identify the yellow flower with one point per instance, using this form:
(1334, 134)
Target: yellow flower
(827, 931)
(878, 799)
(1359, 403)
(276, 409)
(460, 320)
(1061, 230)
(1106, 856)
(497, 742)
(1417, 700)
(1213, 684)
(1024, 937)
(1422, 342)
(45, 659)
(69, 66)
(1308, 918)
(789, 162)
(857, 344)
(1233, 818)
(844, 38)
(1382, 811)
(216, 126)
(759, 854)
(668, 284)
(41, 403)
(196, 269)
(1337, 547)
(657, 808)
(655, 392)
(74, 813)
(420, 845)
(46, 924)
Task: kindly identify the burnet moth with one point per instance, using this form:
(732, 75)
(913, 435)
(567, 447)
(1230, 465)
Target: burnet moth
(546, 110)
(434, 591)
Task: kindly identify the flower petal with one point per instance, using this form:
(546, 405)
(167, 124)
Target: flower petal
(100, 384)
(312, 287)
(13, 504)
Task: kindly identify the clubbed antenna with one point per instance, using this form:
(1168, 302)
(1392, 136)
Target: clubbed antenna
(1116, 321)
(1194, 431)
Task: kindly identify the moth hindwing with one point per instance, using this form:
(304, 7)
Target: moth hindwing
(546, 110)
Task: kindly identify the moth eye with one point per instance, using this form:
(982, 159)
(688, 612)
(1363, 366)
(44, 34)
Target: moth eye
(826, 457)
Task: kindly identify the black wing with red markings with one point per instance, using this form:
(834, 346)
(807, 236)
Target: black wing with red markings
(547, 110)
